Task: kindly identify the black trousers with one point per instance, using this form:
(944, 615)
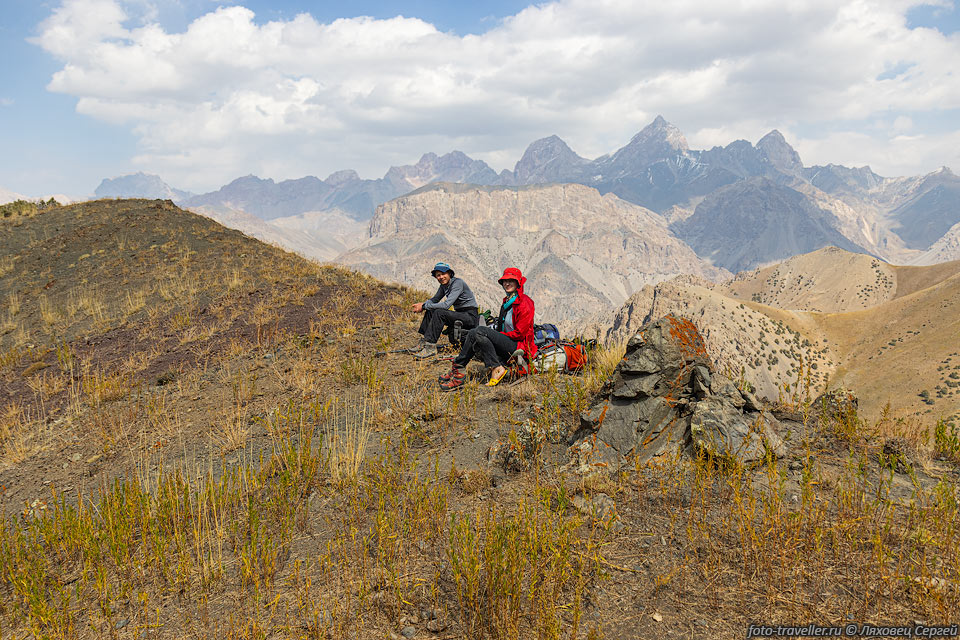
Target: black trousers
(488, 345)
(435, 320)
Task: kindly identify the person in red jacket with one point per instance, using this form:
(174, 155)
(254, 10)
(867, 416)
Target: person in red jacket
(512, 330)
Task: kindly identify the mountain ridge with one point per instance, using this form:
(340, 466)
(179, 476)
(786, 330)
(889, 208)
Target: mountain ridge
(896, 219)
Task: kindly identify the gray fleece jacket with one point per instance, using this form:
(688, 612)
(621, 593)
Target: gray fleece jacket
(456, 293)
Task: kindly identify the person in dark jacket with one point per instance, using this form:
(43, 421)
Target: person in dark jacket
(437, 315)
(495, 345)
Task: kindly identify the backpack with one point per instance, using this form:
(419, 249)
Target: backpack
(544, 333)
(564, 356)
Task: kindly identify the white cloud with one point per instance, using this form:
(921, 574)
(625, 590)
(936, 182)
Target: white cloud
(229, 96)
(6, 102)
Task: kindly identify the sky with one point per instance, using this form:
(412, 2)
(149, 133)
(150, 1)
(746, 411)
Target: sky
(201, 92)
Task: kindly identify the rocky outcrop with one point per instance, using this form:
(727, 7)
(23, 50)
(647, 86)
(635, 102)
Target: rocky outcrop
(666, 395)
(761, 345)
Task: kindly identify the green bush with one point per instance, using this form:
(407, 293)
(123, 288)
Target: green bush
(26, 208)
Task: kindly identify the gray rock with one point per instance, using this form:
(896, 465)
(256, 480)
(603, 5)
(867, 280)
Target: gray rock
(700, 381)
(636, 387)
(592, 456)
(600, 508)
(750, 402)
(665, 395)
(722, 429)
(436, 626)
(408, 631)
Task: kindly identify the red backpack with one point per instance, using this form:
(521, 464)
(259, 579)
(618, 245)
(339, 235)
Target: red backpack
(563, 355)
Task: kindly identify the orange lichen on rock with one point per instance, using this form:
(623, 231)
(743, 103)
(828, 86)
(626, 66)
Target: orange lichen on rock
(687, 338)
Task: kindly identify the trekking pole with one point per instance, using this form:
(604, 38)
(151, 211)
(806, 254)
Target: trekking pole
(379, 354)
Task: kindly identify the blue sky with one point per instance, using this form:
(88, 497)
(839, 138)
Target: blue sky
(201, 92)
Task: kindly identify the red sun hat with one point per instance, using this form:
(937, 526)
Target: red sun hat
(512, 273)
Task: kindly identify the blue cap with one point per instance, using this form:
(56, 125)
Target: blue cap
(443, 267)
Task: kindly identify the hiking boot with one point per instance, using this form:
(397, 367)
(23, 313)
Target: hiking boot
(453, 383)
(428, 350)
(417, 347)
(455, 372)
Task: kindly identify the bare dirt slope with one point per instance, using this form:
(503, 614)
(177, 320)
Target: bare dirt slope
(912, 279)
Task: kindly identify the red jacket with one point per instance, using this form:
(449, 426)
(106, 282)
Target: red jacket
(523, 310)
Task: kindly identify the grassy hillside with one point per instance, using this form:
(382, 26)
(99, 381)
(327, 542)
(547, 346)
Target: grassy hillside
(832, 280)
(905, 353)
(197, 440)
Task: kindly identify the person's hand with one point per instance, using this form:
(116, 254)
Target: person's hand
(417, 307)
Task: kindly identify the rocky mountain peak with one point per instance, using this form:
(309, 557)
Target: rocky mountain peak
(660, 132)
(138, 185)
(455, 166)
(779, 153)
(249, 180)
(339, 178)
(548, 160)
(658, 141)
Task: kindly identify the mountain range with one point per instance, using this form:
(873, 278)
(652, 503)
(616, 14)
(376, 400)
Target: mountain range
(739, 206)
